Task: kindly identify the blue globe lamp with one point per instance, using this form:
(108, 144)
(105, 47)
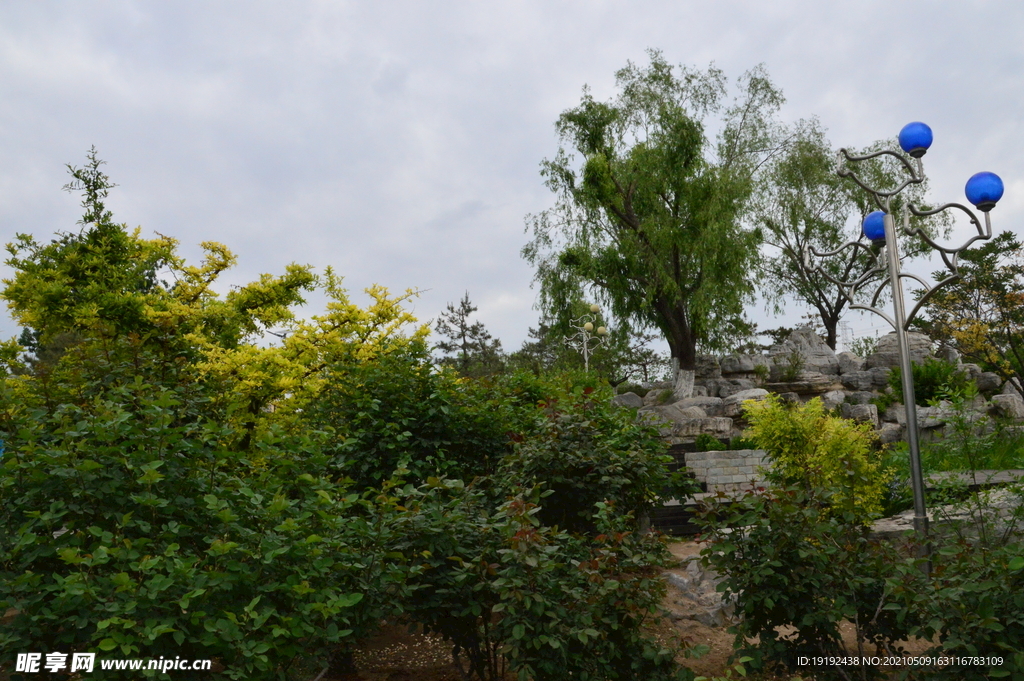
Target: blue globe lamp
(984, 190)
(915, 138)
(874, 226)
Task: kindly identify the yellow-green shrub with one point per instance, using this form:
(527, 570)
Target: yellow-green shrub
(810, 448)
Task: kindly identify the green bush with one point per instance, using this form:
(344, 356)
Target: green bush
(795, 564)
(973, 604)
(708, 443)
(513, 595)
(634, 388)
(798, 565)
(398, 412)
(584, 452)
(810, 448)
(126, 528)
(737, 442)
(934, 380)
(791, 369)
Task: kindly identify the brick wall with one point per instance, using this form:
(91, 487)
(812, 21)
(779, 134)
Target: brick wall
(728, 471)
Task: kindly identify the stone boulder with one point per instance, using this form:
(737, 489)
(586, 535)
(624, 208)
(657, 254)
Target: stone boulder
(628, 400)
(863, 413)
(735, 385)
(733, 404)
(723, 387)
(889, 433)
(808, 383)
(887, 353)
(693, 595)
(972, 371)
(1010, 387)
(988, 382)
(718, 426)
(712, 406)
(876, 378)
(684, 423)
(861, 396)
(933, 417)
(744, 364)
(817, 356)
(995, 509)
(927, 417)
(1010, 406)
(658, 396)
(850, 362)
(833, 398)
(707, 366)
(680, 413)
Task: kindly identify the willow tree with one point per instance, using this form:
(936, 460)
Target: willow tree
(650, 204)
(802, 203)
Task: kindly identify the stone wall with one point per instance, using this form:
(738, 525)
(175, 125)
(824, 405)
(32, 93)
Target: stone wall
(728, 471)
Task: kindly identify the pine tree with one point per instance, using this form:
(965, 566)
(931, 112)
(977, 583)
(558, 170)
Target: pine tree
(469, 347)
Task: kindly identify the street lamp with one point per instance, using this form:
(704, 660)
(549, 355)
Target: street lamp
(587, 338)
(983, 191)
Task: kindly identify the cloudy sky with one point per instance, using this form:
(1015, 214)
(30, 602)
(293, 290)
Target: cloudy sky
(399, 142)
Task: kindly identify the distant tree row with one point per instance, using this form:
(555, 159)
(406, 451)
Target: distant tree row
(466, 346)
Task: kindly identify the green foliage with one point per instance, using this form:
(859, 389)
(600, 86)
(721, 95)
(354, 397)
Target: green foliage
(398, 412)
(790, 370)
(804, 204)
(798, 565)
(648, 206)
(623, 355)
(515, 595)
(126, 528)
(469, 347)
(737, 442)
(863, 346)
(634, 388)
(170, 486)
(934, 380)
(973, 605)
(708, 443)
(585, 452)
(810, 448)
(981, 314)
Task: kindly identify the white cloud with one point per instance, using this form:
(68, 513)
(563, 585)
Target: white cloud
(400, 141)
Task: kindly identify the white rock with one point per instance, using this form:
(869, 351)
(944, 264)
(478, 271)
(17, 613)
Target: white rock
(887, 355)
(816, 354)
(1011, 406)
(628, 400)
(1010, 387)
(833, 398)
(850, 362)
(733, 404)
(863, 413)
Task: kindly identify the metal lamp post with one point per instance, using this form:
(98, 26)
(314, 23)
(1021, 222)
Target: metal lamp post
(587, 338)
(983, 191)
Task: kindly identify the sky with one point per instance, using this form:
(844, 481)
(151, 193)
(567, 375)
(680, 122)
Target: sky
(400, 142)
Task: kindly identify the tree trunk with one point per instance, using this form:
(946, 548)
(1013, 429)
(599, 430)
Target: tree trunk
(830, 334)
(683, 346)
(681, 341)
